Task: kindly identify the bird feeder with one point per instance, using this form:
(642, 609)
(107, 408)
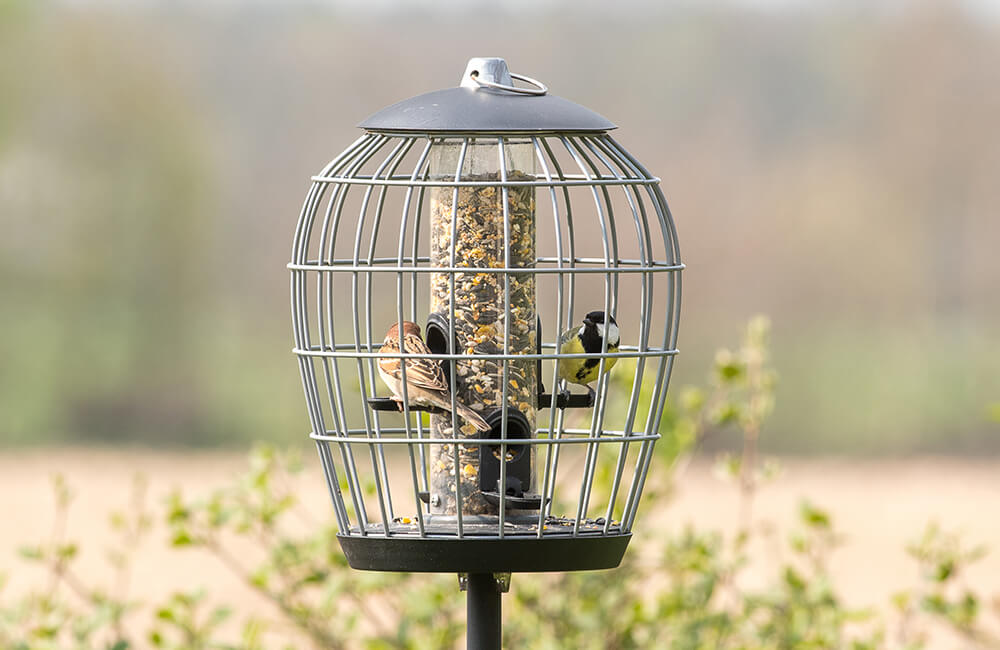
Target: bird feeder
(495, 216)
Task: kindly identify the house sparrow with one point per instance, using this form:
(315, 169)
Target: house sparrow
(588, 338)
(425, 381)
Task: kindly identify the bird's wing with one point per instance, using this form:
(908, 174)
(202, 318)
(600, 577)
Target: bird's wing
(424, 373)
(568, 335)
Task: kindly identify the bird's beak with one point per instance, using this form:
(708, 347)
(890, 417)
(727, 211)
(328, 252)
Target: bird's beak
(587, 321)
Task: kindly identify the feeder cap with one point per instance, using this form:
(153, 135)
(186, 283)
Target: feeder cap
(488, 102)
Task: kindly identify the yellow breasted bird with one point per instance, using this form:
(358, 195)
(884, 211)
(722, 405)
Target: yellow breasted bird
(588, 338)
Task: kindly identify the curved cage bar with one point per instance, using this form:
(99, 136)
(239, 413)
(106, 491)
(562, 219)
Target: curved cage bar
(494, 243)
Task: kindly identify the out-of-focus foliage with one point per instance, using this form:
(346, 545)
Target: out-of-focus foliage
(681, 591)
(836, 168)
(677, 589)
(994, 411)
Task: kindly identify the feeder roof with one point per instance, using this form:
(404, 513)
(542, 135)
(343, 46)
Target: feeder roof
(488, 102)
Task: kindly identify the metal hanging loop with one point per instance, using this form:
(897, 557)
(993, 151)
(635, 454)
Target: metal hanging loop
(539, 89)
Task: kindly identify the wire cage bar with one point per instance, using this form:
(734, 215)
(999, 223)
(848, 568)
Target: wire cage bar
(494, 243)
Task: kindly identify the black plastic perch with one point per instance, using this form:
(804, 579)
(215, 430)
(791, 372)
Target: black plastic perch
(483, 212)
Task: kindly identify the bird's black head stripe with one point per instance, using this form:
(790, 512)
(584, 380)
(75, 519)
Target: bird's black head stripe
(600, 318)
(590, 339)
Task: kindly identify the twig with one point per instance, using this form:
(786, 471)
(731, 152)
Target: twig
(748, 479)
(320, 636)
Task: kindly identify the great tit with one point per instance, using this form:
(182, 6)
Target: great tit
(588, 338)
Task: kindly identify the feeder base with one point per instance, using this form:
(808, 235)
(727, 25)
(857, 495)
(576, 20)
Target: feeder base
(484, 555)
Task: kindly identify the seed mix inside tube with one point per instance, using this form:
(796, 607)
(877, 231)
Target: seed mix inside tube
(479, 321)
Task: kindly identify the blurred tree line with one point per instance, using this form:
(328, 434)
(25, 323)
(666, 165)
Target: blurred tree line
(833, 167)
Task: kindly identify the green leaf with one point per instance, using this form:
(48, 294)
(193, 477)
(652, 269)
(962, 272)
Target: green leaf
(934, 603)
(117, 520)
(31, 552)
(901, 600)
(220, 614)
(728, 368)
(794, 579)
(252, 634)
(67, 551)
(181, 538)
(814, 517)
(260, 577)
(177, 512)
(944, 570)
(726, 413)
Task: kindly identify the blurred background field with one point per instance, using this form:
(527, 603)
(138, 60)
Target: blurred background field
(831, 164)
(877, 506)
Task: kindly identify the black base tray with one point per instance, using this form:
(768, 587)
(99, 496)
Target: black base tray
(484, 555)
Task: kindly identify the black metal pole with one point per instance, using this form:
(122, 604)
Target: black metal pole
(482, 613)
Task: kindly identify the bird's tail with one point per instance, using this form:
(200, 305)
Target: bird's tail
(474, 418)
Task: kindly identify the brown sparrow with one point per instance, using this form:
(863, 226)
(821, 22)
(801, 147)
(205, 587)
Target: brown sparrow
(425, 382)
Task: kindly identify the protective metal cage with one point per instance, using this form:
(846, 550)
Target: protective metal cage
(563, 222)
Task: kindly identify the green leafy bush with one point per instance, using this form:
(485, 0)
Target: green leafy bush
(681, 591)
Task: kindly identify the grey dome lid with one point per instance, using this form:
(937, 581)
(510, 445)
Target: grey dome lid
(487, 102)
